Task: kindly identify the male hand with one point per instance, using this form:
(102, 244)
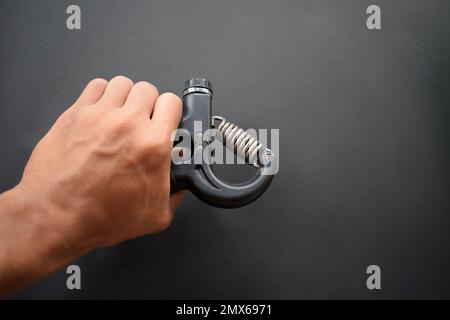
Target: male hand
(104, 167)
(100, 176)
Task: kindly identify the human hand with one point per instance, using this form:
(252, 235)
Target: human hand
(102, 171)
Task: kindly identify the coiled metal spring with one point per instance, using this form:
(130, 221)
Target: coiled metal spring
(239, 141)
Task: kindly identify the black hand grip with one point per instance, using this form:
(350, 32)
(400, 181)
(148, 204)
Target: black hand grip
(200, 178)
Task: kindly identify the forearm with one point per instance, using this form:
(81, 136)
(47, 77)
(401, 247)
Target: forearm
(32, 240)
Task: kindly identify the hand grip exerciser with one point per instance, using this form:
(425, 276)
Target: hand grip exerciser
(193, 172)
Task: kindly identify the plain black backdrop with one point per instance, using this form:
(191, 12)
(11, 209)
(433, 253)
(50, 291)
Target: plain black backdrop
(364, 140)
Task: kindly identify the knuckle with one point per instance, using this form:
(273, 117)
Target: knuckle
(120, 124)
(98, 83)
(158, 148)
(172, 97)
(148, 86)
(122, 80)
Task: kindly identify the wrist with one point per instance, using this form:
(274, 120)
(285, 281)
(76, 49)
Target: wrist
(34, 239)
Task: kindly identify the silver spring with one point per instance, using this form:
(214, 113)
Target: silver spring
(242, 143)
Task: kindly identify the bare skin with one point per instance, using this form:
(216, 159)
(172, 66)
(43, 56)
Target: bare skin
(100, 176)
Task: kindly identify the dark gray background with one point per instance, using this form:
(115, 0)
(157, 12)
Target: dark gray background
(363, 118)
